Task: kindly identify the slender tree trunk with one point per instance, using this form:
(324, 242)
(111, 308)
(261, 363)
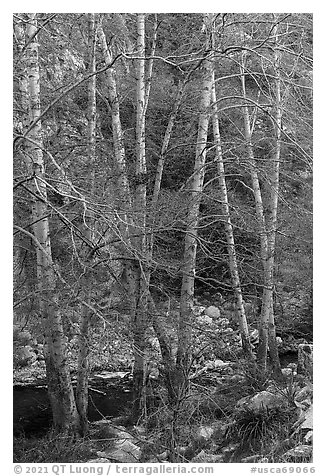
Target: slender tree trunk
(65, 415)
(260, 215)
(124, 204)
(83, 341)
(190, 249)
(273, 207)
(233, 265)
(141, 311)
(267, 226)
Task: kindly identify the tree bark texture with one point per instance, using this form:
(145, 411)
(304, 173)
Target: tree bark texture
(140, 312)
(190, 247)
(233, 265)
(267, 226)
(260, 216)
(83, 338)
(65, 415)
(273, 206)
(124, 203)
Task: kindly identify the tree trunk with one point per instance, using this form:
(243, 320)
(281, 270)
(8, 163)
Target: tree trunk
(273, 207)
(233, 265)
(83, 340)
(124, 202)
(267, 226)
(260, 215)
(190, 248)
(141, 305)
(61, 395)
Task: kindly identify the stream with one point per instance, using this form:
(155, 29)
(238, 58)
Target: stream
(109, 395)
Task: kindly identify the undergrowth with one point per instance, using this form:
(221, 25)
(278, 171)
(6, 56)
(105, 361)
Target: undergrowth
(265, 432)
(52, 449)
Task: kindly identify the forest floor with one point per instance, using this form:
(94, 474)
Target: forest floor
(206, 427)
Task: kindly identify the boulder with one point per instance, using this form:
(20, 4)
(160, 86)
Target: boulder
(305, 360)
(260, 401)
(213, 312)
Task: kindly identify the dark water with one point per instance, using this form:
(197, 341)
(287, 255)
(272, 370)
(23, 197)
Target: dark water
(288, 358)
(32, 413)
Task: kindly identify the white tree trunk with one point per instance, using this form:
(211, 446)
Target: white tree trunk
(273, 207)
(140, 314)
(267, 226)
(85, 314)
(233, 265)
(65, 415)
(260, 216)
(190, 248)
(124, 203)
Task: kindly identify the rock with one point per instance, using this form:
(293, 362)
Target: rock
(308, 438)
(261, 400)
(204, 319)
(205, 432)
(301, 452)
(237, 378)
(204, 457)
(123, 452)
(254, 337)
(209, 365)
(229, 450)
(251, 459)
(99, 460)
(213, 312)
(304, 393)
(287, 372)
(23, 338)
(106, 375)
(220, 364)
(163, 456)
(198, 310)
(307, 423)
(24, 356)
(305, 360)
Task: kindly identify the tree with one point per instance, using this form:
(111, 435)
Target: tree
(173, 164)
(83, 347)
(65, 416)
(195, 190)
(229, 231)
